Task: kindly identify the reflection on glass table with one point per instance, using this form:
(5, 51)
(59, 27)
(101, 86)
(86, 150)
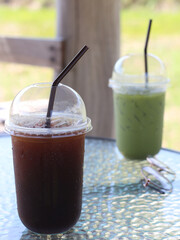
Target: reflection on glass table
(115, 203)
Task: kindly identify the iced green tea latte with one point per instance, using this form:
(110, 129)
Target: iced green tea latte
(139, 123)
(138, 106)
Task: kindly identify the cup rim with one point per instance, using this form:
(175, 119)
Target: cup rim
(16, 130)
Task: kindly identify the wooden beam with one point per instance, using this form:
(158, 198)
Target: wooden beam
(33, 51)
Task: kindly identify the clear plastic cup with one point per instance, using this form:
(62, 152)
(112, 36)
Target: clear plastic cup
(139, 107)
(48, 162)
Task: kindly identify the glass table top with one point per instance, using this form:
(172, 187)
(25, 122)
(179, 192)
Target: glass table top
(115, 203)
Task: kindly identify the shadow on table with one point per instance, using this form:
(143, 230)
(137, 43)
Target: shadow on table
(69, 235)
(121, 189)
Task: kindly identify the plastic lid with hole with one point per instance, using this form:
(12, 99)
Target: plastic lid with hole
(129, 74)
(29, 108)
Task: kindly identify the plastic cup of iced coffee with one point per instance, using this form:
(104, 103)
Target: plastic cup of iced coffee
(48, 162)
(138, 106)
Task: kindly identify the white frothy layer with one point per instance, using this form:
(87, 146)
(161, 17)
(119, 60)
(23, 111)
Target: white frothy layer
(137, 88)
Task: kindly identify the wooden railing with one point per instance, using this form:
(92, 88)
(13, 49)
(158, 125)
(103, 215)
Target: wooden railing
(33, 51)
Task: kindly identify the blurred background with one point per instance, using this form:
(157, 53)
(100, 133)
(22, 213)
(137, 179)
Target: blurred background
(37, 18)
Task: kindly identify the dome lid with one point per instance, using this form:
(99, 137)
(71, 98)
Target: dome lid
(129, 72)
(29, 109)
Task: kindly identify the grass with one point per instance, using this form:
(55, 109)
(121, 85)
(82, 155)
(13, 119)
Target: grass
(164, 42)
(26, 22)
(164, 23)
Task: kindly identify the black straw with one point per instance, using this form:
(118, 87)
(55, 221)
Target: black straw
(58, 80)
(145, 52)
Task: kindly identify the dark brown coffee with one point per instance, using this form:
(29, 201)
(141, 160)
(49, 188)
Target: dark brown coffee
(48, 177)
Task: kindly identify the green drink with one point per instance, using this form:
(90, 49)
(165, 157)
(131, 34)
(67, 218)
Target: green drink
(138, 107)
(139, 123)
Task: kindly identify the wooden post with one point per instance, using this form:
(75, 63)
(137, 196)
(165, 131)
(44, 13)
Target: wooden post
(94, 23)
